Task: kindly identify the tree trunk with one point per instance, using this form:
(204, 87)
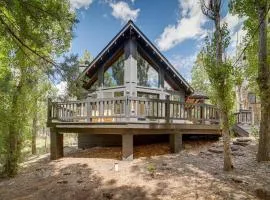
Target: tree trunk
(13, 139)
(264, 87)
(228, 166)
(34, 131)
(219, 40)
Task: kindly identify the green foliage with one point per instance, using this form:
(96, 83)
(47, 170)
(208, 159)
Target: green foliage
(151, 168)
(255, 132)
(37, 25)
(256, 24)
(246, 8)
(239, 74)
(249, 9)
(114, 75)
(86, 59)
(142, 70)
(219, 75)
(70, 70)
(118, 70)
(108, 79)
(31, 34)
(199, 78)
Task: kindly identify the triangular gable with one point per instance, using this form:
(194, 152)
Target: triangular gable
(130, 26)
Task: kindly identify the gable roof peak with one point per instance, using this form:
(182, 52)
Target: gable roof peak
(128, 26)
(130, 22)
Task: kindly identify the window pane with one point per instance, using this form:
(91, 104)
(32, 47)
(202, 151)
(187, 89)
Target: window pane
(167, 86)
(94, 86)
(175, 97)
(147, 95)
(114, 75)
(147, 75)
(119, 94)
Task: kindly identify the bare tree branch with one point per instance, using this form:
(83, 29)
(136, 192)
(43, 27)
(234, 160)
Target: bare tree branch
(206, 9)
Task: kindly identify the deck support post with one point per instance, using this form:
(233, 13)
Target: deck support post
(175, 142)
(127, 147)
(57, 150)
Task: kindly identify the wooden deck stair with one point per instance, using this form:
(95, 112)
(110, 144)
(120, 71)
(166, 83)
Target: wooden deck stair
(242, 130)
(245, 124)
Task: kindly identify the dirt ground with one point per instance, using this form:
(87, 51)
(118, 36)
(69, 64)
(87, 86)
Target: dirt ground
(194, 173)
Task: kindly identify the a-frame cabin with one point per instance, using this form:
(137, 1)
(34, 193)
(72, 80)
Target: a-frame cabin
(130, 65)
(132, 89)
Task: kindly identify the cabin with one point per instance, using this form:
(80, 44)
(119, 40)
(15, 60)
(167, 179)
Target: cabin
(248, 115)
(132, 90)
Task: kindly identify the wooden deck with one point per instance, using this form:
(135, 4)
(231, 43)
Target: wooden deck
(136, 128)
(131, 109)
(130, 116)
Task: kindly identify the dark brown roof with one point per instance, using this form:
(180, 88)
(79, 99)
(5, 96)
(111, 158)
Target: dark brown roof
(198, 95)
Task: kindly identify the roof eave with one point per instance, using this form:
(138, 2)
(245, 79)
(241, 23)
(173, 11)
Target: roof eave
(132, 25)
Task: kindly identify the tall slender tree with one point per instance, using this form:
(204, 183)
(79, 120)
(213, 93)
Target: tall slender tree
(219, 73)
(257, 13)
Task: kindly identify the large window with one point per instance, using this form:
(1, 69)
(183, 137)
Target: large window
(146, 74)
(167, 86)
(147, 95)
(114, 75)
(94, 86)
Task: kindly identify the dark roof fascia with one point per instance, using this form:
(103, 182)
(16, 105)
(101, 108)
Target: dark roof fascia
(118, 35)
(163, 57)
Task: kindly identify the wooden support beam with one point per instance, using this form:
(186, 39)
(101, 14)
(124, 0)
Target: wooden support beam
(161, 78)
(130, 72)
(175, 142)
(57, 150)
(127, 147)
(49, 112)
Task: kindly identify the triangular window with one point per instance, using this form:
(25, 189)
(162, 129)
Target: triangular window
(147, 76)
(114, 75)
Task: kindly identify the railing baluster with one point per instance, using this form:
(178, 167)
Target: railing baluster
(119, 109)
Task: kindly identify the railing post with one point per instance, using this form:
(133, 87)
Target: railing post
(127, 114)
(88, 111)
(252, 117)
(101, 110)
(49, 112)
(167, 109)
(203, 107)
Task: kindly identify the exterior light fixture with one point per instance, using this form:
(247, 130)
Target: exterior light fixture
(116, 168)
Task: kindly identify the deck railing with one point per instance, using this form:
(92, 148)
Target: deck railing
(132, 109)
(244, 117)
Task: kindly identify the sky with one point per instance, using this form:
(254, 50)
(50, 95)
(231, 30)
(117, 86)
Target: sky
(176, 27)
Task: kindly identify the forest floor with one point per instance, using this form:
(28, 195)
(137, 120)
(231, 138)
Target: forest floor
(195, 173)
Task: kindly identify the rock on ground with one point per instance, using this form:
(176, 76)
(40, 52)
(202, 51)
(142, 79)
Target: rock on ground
(194, 173)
